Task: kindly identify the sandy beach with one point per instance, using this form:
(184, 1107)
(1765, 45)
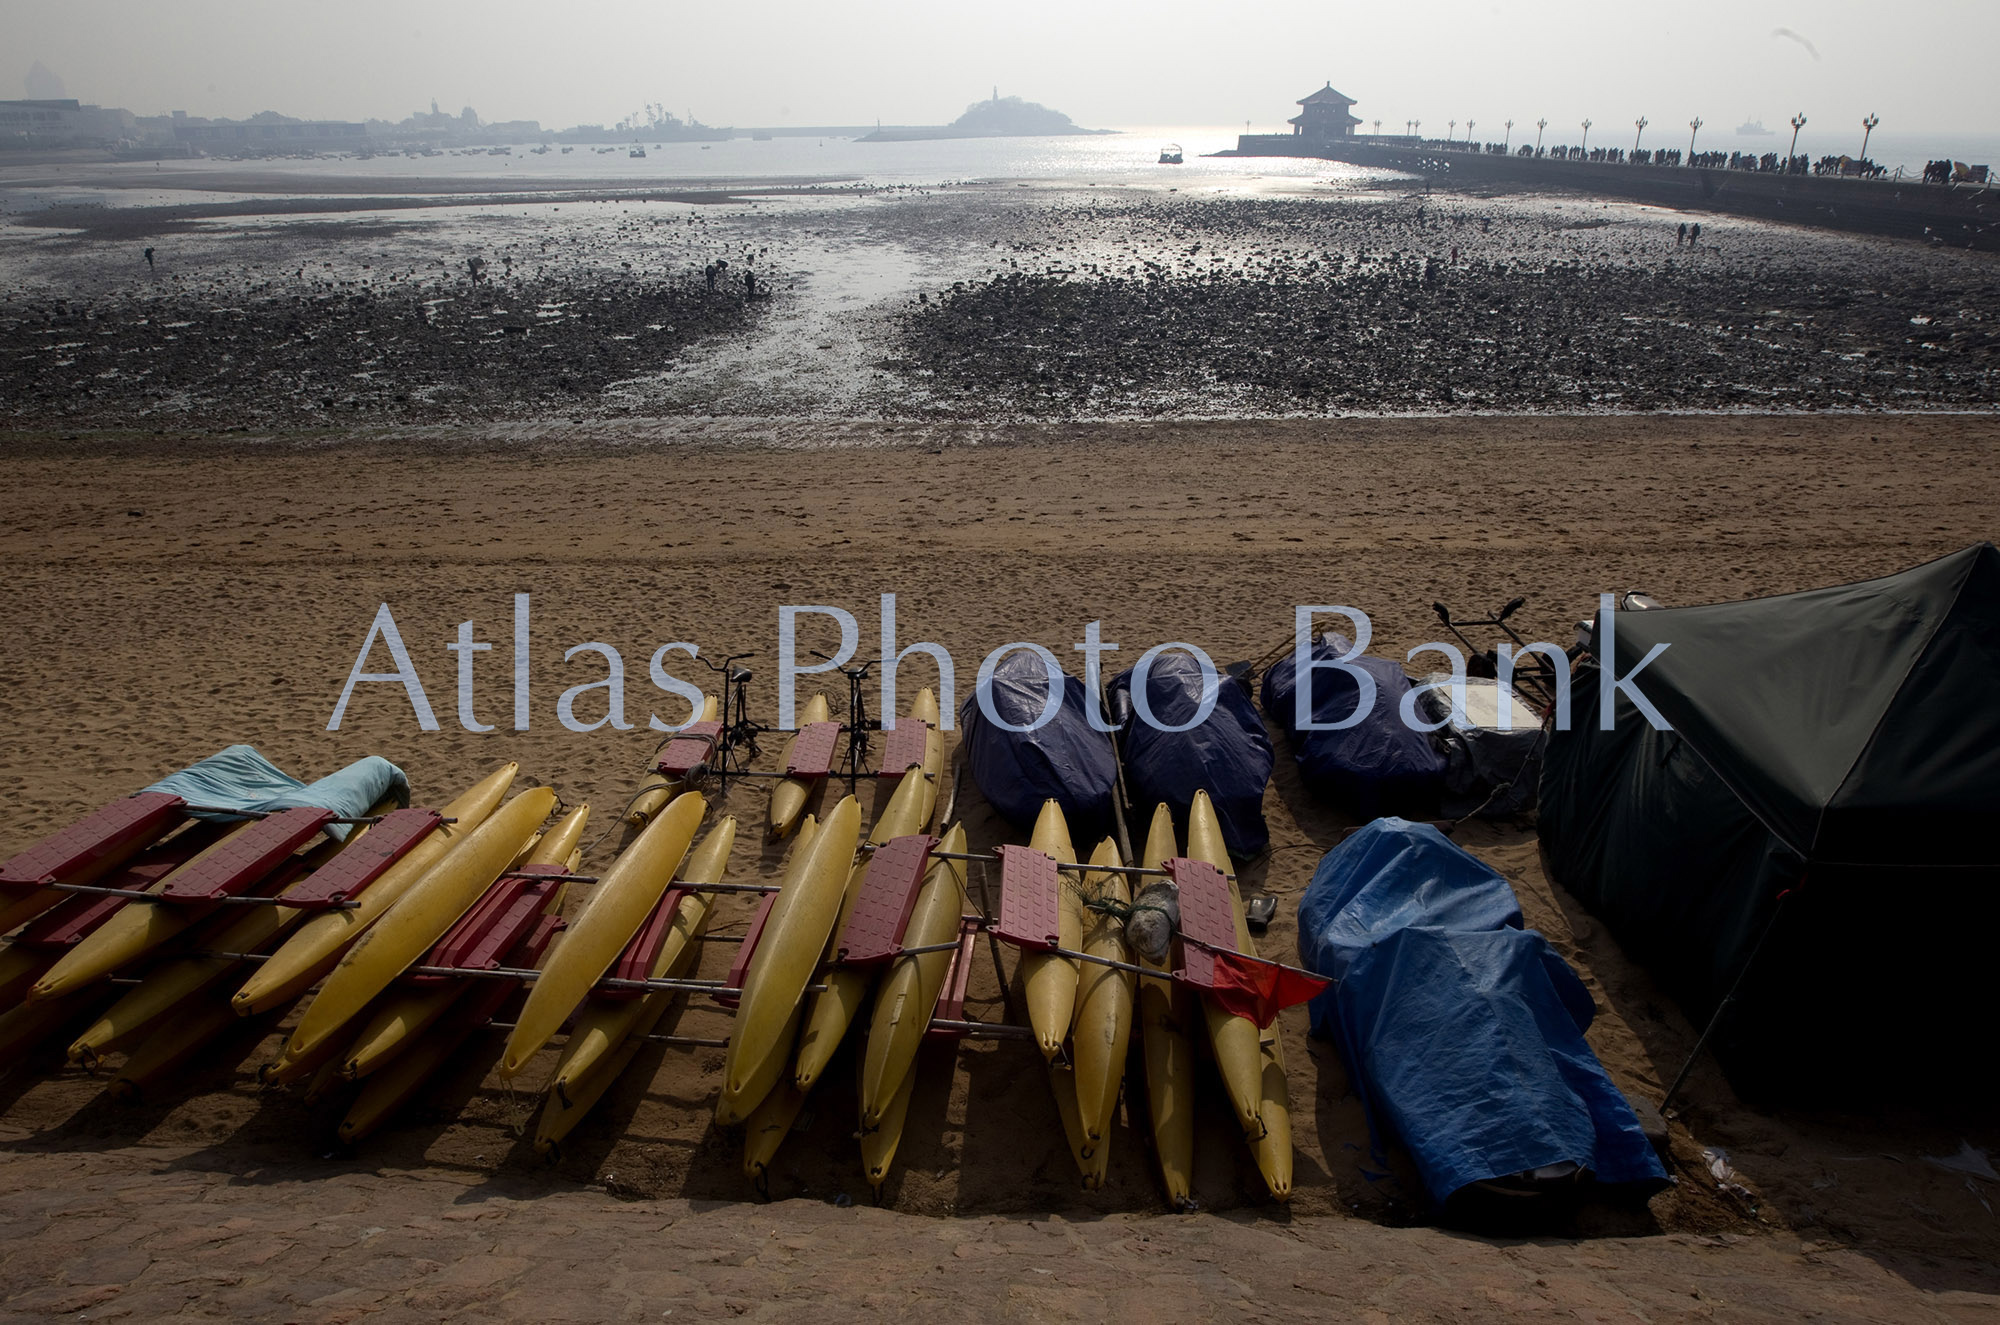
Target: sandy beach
(242, 406)
(175, 594)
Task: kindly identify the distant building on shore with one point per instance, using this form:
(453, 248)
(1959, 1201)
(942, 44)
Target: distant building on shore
(269, 132)
(1324, 117)
(63, 122)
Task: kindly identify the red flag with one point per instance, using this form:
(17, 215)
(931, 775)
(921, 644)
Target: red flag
(1256, 989)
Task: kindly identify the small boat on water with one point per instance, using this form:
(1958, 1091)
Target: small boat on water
(636, 152)
(1170, 155)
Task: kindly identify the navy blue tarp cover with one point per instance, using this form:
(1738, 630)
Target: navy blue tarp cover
(237, 777)
(1227, 754)
(1464, 1030)
(1065, 759)
(1379, 765)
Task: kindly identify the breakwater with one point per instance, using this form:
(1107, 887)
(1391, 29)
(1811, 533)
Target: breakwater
(1958, 216)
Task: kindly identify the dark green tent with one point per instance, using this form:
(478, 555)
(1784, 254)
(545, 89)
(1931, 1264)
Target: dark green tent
(1838, 749)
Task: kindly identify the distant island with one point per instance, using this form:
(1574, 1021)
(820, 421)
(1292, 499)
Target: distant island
(1001, 117)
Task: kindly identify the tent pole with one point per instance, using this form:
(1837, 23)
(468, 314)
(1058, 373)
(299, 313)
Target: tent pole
(1715, 1018)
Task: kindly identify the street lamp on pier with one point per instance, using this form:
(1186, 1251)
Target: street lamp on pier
(1509, 143)
(1468, 133)
(1867, 128)
(1451, 128)
(1641, 124)
(1539, 126)
(1585, 149)
(1694, 127)
(1798, 122)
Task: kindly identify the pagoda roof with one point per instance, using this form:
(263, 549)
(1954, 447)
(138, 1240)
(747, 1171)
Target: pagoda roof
(1326, 94)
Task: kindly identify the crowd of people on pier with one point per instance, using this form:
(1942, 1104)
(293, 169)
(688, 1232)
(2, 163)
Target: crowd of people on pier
(1768, 163)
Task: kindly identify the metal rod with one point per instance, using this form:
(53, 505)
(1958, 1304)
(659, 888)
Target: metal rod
(691, 1041)
(677, 884)
(985, 1030)
(703, 986)
(1261, 961)
(1134, 871)
(476, 973)
(1154, 972)
(927, 948)
(529, 974)
(992, 939)
(1163, 973)
(1124, 801)
(1728, 999)
(265, 814)
(132, 894)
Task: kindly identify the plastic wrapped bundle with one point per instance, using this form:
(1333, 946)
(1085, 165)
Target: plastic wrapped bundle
(1493, 760)
(1464, 1031)
(1064, 759)
(1379, 765)
(1227, 754)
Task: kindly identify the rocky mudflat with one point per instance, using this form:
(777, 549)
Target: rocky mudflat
(1428, 304)
(975, 302)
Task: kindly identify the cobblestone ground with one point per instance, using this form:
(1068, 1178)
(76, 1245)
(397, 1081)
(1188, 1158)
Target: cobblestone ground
(148, 1233)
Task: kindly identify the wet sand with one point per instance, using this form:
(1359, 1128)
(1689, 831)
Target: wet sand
(975, 302)
(163, 613)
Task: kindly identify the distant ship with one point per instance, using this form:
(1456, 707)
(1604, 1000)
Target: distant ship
(1752, 129)
(1170, 155)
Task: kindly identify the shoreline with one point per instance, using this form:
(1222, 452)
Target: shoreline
(740, 434)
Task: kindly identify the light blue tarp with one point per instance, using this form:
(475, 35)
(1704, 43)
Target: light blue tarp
(1464, 1031)
(238, 778)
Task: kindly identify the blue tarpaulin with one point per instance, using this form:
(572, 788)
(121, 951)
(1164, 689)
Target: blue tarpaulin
(1379, 765)
(238, 778)
(1227, 754)
(1065, 759)
(1464, 1031)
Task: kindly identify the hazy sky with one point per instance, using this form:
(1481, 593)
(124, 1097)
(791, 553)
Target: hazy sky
(1920, 64)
